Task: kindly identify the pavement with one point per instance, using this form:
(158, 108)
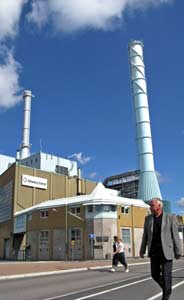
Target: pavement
(22, 269)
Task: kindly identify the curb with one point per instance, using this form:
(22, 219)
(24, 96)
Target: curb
(38, 274)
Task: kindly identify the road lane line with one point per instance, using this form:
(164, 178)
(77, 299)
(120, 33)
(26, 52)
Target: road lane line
(173, 287)
(96, 287)
(120, 287)
(160, 294)
(113, 289)
(101, 286)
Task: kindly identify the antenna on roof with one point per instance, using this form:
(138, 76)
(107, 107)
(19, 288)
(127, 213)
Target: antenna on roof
(40, 145)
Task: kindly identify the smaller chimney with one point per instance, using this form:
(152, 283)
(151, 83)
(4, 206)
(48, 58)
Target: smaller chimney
(79, 182)
(17, 155)
(25, 146)
(79, 173)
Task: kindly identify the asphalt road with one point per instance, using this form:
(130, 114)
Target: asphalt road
(97, 284)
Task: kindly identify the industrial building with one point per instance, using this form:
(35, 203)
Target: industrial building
(22, 187)
(125, 183)
(80, 227)
(128, 184)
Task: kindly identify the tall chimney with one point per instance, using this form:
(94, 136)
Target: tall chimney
(25, 146)
(148, 183)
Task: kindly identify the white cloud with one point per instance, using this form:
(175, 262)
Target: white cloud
(92, 175)
(9, 77)
(81, 158)
(10, 11)
(181, 202)
(66, 16)
(73, 15)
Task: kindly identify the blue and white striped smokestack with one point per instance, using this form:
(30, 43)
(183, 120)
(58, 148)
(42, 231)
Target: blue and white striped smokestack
(148, 183)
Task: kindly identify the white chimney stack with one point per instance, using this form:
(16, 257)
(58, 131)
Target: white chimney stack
(25, 146)
(148, 183)
(17, 155)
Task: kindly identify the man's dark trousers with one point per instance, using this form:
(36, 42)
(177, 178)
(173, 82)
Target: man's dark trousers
(161, 271)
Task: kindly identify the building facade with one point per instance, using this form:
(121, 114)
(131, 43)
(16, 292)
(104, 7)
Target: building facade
(126, 183)
(22, 187)
(80, 227)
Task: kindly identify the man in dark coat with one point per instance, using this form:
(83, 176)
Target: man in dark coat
(162, 238)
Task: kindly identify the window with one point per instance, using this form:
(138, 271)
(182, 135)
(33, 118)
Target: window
(76, 235)
(20, 221)
(61, 170)
(29, 217)
(126, 235)
(100, 239)
(90, 208)
(75, 210)
(99, 208)
(44, 237)
(105, 239)
(44, 214)
(109, 208)
(125, 210)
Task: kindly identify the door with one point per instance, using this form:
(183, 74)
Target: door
(127, 241)
(6, 251)
(75, 246)
(44, 245)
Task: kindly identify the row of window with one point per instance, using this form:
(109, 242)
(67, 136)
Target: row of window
(31, 161)
(91, 208)
(122, 180)
(76, 236)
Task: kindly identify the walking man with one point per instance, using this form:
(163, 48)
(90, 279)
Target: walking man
(162, 238)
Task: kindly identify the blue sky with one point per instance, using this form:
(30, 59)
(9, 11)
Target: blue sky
(73, 55)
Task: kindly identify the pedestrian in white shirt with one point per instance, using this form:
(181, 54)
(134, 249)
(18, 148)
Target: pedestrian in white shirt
(120, 255)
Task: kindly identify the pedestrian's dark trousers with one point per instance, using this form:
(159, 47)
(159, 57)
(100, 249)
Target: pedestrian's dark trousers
(121, 259)
(115, 260)
(161, 271)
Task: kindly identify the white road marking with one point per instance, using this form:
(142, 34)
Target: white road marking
(173, 287)
(113, 289)
(116, 288)
(160, 294)
(95, 287)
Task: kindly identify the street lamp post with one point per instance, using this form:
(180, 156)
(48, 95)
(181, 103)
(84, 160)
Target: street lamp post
(66, 231)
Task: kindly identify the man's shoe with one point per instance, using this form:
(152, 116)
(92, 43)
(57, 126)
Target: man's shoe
(126, 270)
(112, 270)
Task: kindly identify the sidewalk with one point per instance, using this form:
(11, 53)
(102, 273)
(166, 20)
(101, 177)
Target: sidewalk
(17, 269)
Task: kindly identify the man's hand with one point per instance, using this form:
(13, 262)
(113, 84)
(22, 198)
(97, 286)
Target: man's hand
(178, 256)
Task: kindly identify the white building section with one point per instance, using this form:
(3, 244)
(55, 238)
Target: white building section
(5, 162)
(99, 196)
(51, 163)
(148, 184)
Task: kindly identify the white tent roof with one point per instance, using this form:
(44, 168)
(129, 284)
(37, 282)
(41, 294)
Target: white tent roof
(100, 195)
